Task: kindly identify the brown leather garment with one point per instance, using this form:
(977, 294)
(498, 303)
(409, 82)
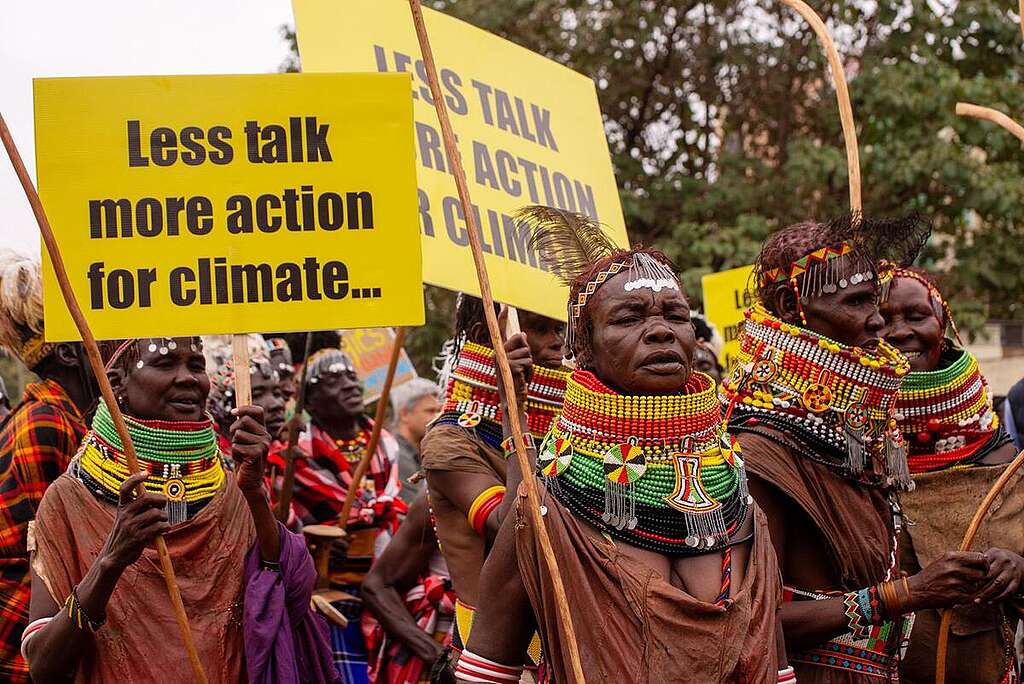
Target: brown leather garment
(940, 510)
(140, 641)
(450, 448)
(853, 518)
(633, 625)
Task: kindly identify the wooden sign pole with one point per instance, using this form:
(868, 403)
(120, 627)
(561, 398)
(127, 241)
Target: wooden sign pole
(96, 363)
(284, 497)
(501, 359)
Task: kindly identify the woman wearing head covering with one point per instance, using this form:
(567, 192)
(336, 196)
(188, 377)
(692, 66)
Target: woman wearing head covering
(245, 580)
(956, 452)
(666, 561)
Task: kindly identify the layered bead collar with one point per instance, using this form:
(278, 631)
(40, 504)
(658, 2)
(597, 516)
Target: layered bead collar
(471, 395)
(659, 472)
(182, 458)
(837, 402)
(946, 415)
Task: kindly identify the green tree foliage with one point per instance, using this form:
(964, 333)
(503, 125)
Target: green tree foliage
(723, 126)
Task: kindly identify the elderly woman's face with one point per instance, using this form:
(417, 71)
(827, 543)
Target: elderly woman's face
(167, 386)
(642, 341)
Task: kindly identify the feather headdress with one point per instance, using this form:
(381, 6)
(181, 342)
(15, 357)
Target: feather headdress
(576, 248)
(21, 307)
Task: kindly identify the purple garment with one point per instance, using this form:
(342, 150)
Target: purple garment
(285, 641)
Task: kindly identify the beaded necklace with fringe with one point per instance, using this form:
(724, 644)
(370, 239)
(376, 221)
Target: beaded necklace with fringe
(182, 458)
(471, 396)
(836, 401)
(946, 415)
(659, 471)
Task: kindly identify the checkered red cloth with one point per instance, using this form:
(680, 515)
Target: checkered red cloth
(37, 441)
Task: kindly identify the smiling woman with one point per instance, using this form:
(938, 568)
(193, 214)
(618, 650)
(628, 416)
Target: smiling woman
(92, 530)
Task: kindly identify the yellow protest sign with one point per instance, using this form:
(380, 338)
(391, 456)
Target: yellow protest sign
(230, 204)
(529, 132)
(726, 297)
(370, 349)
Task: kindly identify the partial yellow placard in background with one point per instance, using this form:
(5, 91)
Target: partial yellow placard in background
(725, 299)
(230, 204)
(529, 132)
(370, 349)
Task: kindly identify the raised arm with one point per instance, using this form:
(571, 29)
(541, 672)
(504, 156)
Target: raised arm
(58, 636)
(250, 443)
(396, 571)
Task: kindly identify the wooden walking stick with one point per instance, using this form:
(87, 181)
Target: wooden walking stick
(96, 363)
(965, 109)
(378, 424)
(842, 95)
(284, 497)
(501, 359)
(965, 545)
(993, 115)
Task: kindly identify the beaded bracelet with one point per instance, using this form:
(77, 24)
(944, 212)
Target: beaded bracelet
(482, 506)
(473, 668)
(862, 610)
(77, 614)
(894, 604)
(787, 676)
(508, 444)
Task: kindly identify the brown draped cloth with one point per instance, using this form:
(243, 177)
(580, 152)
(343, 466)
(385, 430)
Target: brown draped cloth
(633, 625)
(140, 641)
(451, 448)
(940, 509)
(854, 520)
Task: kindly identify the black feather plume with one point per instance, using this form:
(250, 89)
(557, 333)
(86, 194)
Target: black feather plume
(568, 243)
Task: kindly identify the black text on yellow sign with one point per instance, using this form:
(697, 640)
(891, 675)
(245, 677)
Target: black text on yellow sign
(255, 202)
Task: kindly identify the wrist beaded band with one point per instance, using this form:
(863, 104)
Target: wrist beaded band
(787, 676)
(270, 566)
(77, 614)
(508, 444)
(473, 668)
(482, 506)
(893, 604)
(863, 611)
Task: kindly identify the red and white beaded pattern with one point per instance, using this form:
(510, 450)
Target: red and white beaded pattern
(473, 668)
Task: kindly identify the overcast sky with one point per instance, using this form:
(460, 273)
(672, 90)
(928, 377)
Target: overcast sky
(119, 38)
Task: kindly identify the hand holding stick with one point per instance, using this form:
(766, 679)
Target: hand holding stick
(96, 364)
(501, 360)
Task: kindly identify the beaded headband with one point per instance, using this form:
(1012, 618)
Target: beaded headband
(889, 272)
(327, 361)
(644, 272)
(164, 345)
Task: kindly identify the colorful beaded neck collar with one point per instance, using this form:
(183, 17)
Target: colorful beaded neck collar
(836, 400)
(658, 472)
(471, 395)
(946, 415)
(182, 458)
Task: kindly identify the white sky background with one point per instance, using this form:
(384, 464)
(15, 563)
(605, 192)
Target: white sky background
(118, 38)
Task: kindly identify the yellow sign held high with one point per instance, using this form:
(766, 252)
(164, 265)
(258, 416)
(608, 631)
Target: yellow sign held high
(529, 132)
(726, 297)
(230, 204)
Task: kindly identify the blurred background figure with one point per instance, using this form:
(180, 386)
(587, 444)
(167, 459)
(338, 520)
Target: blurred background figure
(414, 405)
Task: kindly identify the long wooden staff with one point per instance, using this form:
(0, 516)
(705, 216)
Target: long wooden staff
(965, 545)
(965, 109)
(993, 115)
(284, 497)
(378, 424)
(96, 363)
(504, 372)
(842, 95)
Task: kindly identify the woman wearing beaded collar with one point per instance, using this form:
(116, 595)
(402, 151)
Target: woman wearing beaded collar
(461, 452)
(246, 581)
(956, 452)
(667, 564)
(812, 402)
